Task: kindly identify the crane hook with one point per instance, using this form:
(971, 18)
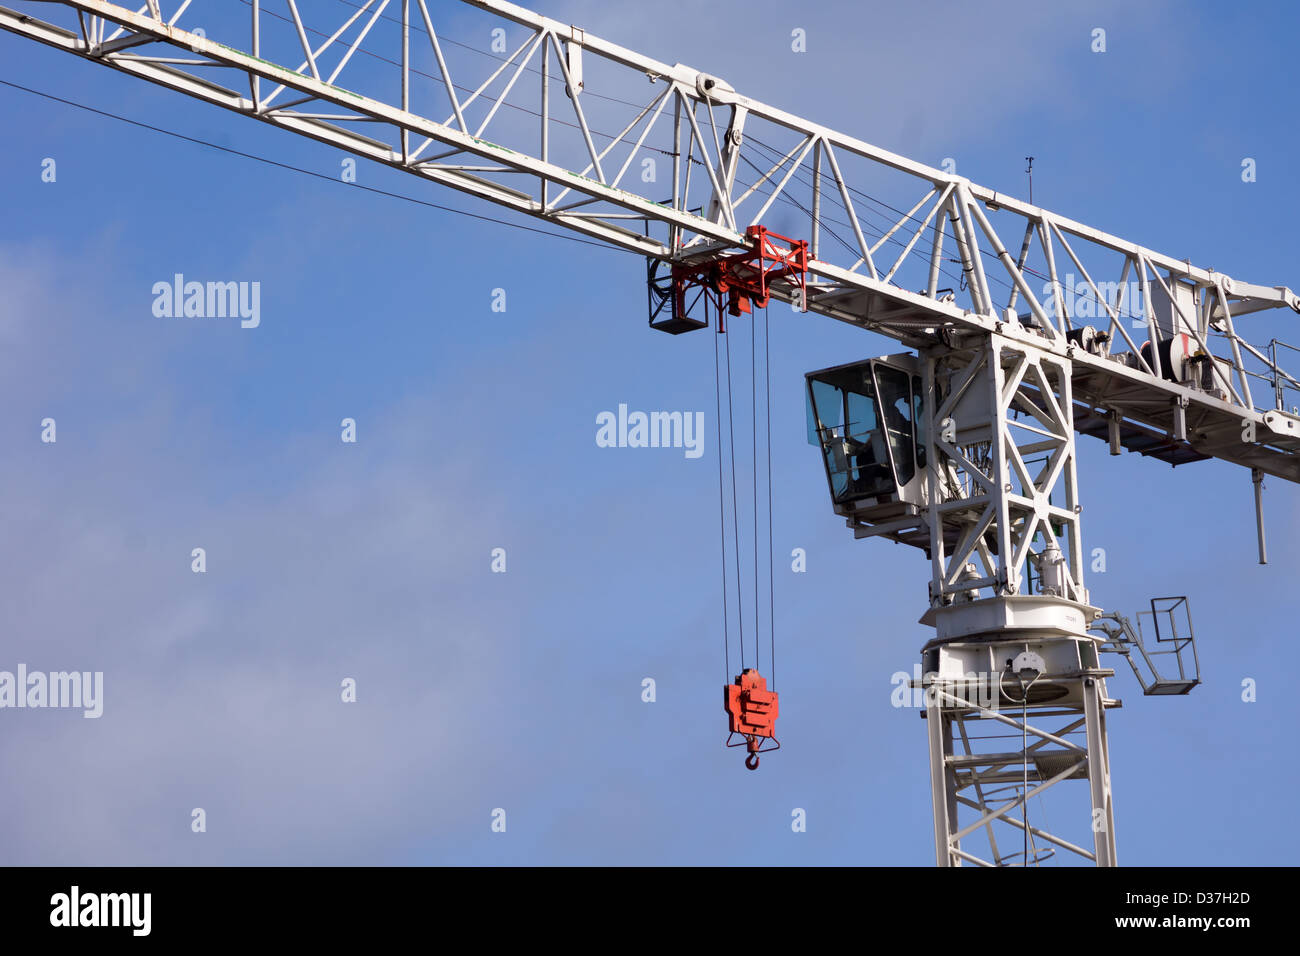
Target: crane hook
(751, 762)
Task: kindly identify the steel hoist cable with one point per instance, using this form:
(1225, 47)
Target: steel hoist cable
(771, 582)
(735, 511)
(751, 707)
(1024, 754)
(722, 512)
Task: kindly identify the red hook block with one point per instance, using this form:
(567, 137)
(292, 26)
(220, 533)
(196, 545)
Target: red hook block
(752, 710)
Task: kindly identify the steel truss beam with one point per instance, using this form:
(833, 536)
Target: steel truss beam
(1002, 474)
(973, 778)
(1003, 514)
(297, 67)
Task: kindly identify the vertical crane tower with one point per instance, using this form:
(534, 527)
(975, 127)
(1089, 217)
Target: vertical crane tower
(963, 446)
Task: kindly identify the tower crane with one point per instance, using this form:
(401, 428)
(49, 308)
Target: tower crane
(962, 446)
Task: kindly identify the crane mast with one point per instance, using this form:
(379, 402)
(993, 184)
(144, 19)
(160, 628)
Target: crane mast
(963, 447)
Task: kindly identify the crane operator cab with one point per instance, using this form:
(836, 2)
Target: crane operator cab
(866, 418)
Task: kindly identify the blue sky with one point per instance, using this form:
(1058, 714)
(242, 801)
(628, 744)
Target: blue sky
(476, 430)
